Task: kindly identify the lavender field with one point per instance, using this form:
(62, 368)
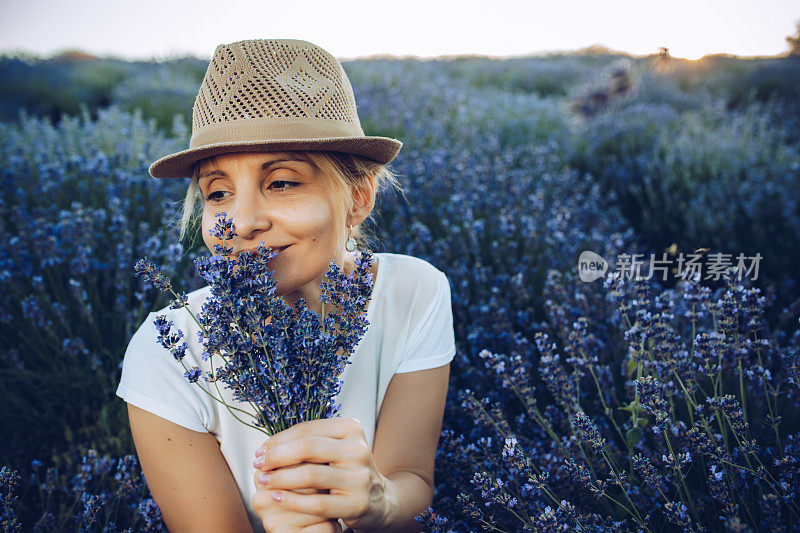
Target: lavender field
(611, 405)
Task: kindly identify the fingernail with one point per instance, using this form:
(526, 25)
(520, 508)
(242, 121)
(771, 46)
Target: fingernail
(259, 462)
(264, 478)
(277, 496)
(261, 450)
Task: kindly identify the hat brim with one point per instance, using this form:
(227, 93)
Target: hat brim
(181, 164)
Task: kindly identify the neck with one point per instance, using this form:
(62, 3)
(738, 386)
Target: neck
(311, 291)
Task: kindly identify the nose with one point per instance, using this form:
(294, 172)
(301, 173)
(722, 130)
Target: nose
(250, 216)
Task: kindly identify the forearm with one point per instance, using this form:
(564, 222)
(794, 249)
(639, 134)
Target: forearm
(409, 496)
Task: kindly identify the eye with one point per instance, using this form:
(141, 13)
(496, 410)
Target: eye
(283, 185)
(213, 197)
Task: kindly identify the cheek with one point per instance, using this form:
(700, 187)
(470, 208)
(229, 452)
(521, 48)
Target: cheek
(207, 224)
(316, 220)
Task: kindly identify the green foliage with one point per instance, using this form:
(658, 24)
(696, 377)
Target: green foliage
(52, 88)
(704, 177)
(770, 79)
(162, 93)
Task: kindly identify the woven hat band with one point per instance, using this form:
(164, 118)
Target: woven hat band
(272, 129)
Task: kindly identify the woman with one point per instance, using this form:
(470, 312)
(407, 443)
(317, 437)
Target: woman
(277, 145)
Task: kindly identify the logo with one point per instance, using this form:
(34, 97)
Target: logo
(591, 266)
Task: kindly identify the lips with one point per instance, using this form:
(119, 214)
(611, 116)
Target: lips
(279, 249)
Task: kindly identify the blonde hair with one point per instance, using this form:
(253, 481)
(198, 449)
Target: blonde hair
(348, 173)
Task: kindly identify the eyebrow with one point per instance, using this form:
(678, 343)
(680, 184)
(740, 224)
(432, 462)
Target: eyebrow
(265, 166)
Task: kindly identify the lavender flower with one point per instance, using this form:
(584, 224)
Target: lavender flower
(109, 506)
(556, 379)
(587, 432)
(678, 514)
(127, 476)
(771, 514)
(581, 476)
(78, 203)
(151, 273)
(284, 361)
(169, 339)
(793, 367)
(149, 512)
(46, 523)
(493, 491)
(651, 396)
(432, 522)
(9, 481)
(93, 506)
(733, 411)
(193, 374)
(719, 491)
(647, 471)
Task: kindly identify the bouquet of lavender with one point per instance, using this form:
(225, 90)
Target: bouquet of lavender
(285, 362)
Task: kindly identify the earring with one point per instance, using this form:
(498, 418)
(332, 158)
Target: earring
(350, 245)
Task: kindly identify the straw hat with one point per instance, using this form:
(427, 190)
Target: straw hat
(274, 95)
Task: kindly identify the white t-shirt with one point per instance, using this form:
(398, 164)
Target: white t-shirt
(410, 328)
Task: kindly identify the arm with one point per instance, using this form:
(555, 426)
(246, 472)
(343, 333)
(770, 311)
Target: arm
(406, 437)
(187, 476)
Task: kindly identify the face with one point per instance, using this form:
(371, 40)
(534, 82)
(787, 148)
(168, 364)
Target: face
(283, 200)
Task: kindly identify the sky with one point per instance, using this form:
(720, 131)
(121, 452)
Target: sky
(161, 29)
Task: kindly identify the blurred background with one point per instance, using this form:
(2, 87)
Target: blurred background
(532, 131)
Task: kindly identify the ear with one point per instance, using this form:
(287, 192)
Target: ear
(363, 200)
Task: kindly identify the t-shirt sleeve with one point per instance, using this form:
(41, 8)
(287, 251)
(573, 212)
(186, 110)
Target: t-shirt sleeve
(153, 380)
(431, 343)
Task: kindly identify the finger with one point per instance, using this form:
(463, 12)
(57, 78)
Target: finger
(305, 490)
(261, 449)
(295, 522)
(331, 526)
(316, 449)
(309, 475)
(328, 505)
(257, 481)
(334, 428)
(300, 520)
(277, 516)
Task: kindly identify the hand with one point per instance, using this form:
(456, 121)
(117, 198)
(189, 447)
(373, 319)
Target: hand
(330, 454)
(277, 519)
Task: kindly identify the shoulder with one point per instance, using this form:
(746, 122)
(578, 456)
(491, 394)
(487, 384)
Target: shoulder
(419, 312)
(410, 272)
(411, 283)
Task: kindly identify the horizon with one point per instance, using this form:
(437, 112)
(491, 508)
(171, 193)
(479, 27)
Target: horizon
(595, 49)
(157, 30)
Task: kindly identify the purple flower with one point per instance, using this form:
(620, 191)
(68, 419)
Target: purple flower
(193, 374)
(677, 514)
(127, 476)
(223, 229)
(93, 507)
(149, 512)
(169, 339)
(588, 433)
(273, 365)
(651, 396)
(720, 492)
(145, 269)
(432, 522)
